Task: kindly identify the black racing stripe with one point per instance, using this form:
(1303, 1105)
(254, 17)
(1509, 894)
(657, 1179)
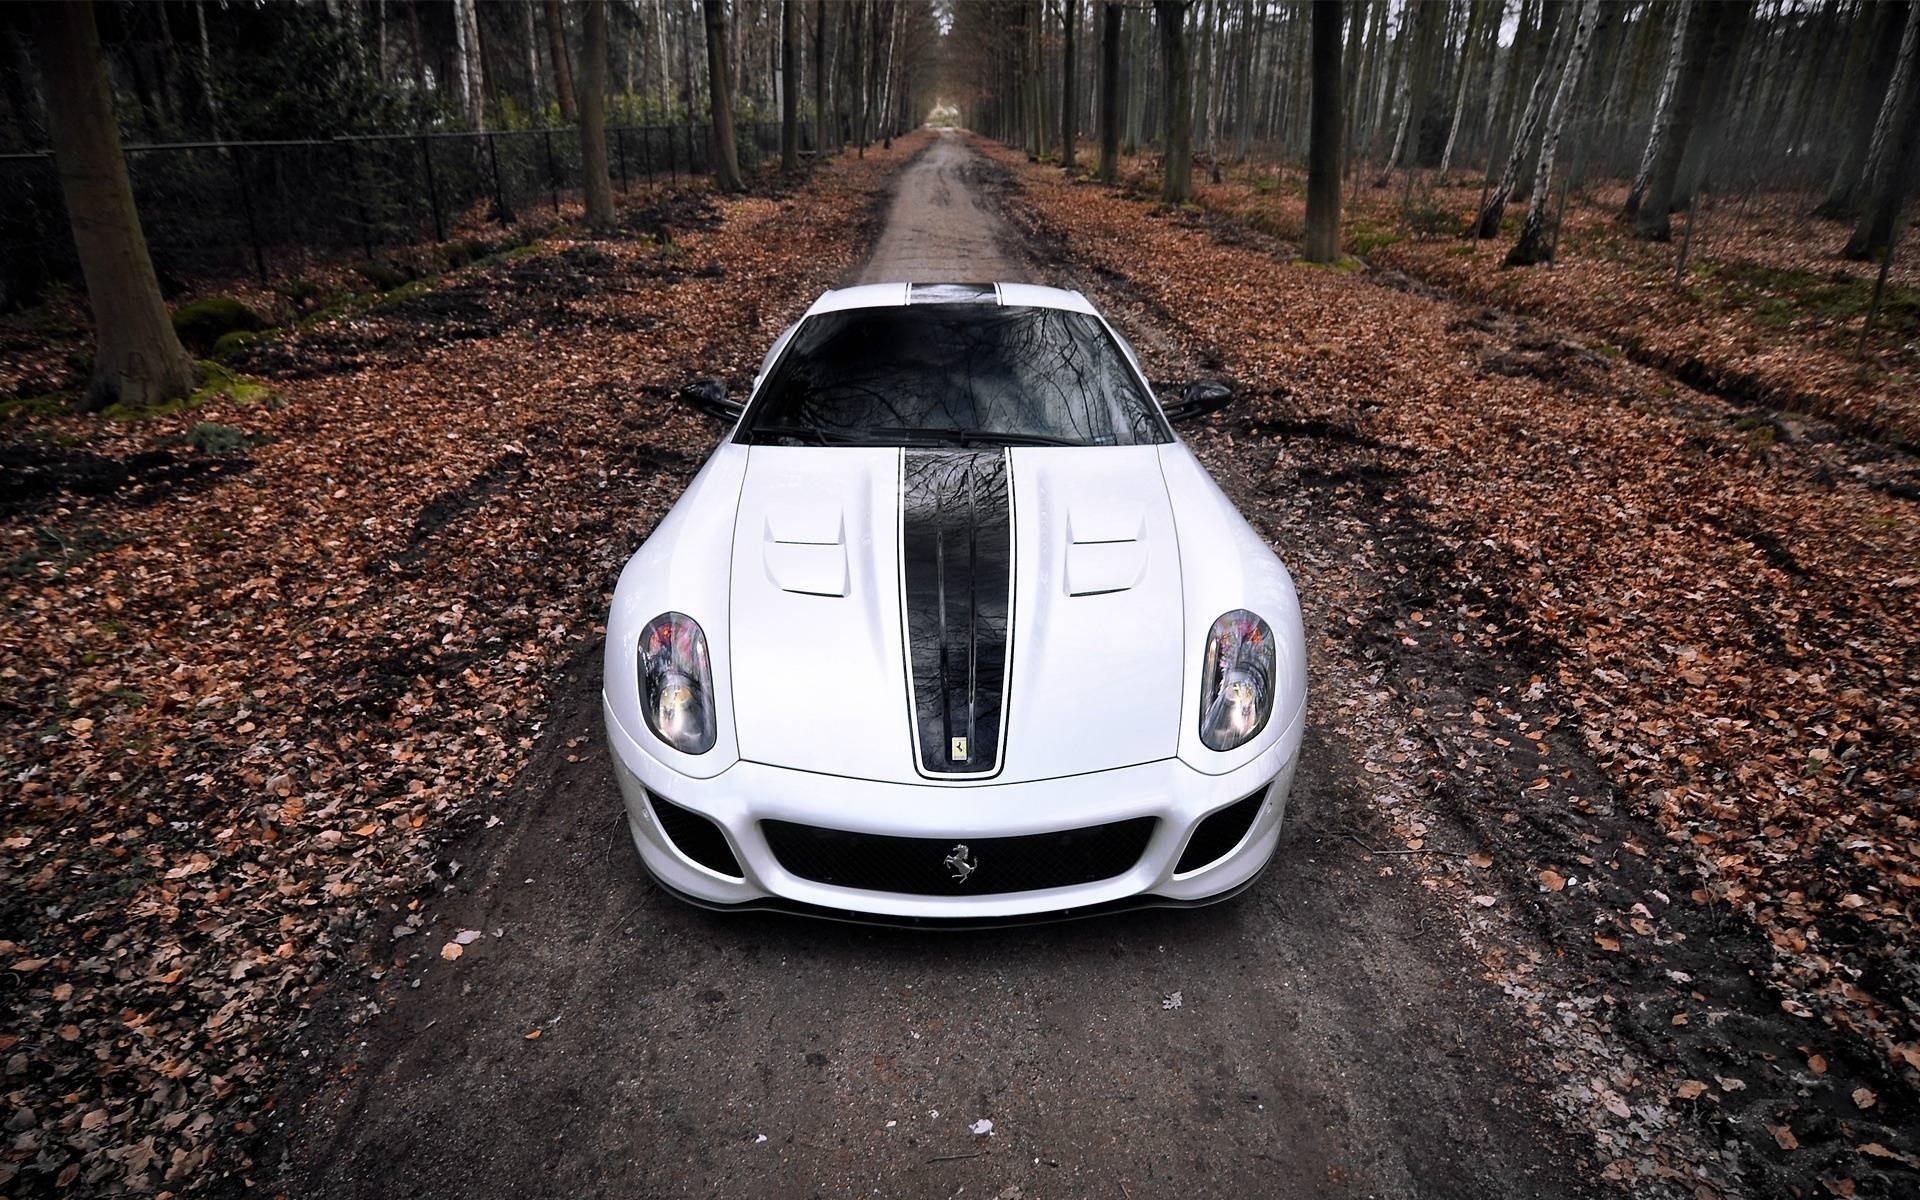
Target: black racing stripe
(956, 535)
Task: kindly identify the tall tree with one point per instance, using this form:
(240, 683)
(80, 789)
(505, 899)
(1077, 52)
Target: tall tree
(467, 64)
(1070, 88)
(562, 64)
(1857, 104)
(1203, 77)
(593, 120)
(1662, 108)
(1469, 50)
(1323, 142)
(726, 161)
(789, 85)
(1532, 245)
(1110, 35)
(1488, 222)
(137, 359)
(1706, 37)
(1176, 173)
(1403, 93)
(820, 123)
(532, 41)
(1731, 27)
(1893, 159)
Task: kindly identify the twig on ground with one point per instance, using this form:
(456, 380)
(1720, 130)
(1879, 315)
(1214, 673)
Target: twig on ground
(1422, 850)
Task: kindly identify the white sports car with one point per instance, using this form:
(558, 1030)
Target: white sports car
(952, 629)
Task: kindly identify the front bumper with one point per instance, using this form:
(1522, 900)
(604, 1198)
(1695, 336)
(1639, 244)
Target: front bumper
(747, 793)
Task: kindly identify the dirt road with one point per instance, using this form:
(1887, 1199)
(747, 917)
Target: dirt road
(941, 228)
(1326, 1034)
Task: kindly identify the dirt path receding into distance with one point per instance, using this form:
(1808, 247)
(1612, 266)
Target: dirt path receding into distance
(1323, 1035)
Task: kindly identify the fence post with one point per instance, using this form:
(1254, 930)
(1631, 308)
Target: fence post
(646, 152)
(246, 207)
(500, 208)
(620, 148)
(553, 173)
(359, 193)
(433, 191)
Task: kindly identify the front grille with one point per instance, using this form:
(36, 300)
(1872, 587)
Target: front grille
(934, 866)
(1218, 833)
(695, 836)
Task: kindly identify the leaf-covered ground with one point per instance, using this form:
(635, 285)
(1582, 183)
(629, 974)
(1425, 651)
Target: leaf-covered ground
(1769, 313)
(1659, 658)
(252, 681)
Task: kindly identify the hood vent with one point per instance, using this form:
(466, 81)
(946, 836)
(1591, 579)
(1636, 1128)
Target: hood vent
(1105, 550)
(806, 552)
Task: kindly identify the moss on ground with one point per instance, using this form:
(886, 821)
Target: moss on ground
(204, 322)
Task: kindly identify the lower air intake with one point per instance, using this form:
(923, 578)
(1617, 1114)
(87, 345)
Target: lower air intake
(696, 837)
(1219, 833)
(955, 866)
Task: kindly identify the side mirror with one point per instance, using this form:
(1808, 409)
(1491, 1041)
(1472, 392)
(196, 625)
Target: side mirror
(709, 398)
(1199, 399)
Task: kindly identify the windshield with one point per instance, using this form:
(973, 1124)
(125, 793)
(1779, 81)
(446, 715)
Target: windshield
(953, 374)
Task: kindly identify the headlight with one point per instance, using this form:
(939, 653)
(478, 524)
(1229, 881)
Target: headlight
(1236, 680)
(676, 683)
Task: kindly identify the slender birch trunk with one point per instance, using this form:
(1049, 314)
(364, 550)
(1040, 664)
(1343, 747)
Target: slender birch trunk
(1488, 222)
(1532, 246)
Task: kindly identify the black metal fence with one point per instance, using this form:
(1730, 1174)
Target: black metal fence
(211, 208)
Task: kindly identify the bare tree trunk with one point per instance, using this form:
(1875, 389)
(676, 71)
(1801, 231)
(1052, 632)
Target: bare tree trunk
(1532, 245)
(597, 188)
(1855, 112)
(1662, 109)
(1488, 222)
(1472, 45)
(1706, 36)
(789, 85)
(1323, 143)
(1203, 78)
(1893, 161)
(1176, 177)
(1110, 35)
(820, 76)
(726, 161)
(1070, 89)
(1255, 23)
(1136, 23)
(207, 95)
(562, 66)
(418, 45)
(666, 58)
(532, 38)
(137, 359)
(1732, 23)
(1403, 89)
(466, 36)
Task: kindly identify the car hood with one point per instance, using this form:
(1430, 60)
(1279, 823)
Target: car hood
(955, 615)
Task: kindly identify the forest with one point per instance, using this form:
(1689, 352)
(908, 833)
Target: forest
(347, 351)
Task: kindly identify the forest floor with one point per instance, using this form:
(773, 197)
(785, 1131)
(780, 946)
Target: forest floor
(313, 880)
(1703, 791)
(1769, 316)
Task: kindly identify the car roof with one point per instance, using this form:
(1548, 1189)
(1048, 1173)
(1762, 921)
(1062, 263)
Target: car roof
(894, 295)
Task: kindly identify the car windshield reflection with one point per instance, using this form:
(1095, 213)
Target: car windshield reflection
(953, 375)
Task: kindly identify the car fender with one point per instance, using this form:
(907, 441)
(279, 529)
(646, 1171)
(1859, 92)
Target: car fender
(1225, 564)
(684, 566)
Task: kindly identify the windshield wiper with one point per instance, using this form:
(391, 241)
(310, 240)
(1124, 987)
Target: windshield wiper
(813, 435)
(989, 437)
(809, 434)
